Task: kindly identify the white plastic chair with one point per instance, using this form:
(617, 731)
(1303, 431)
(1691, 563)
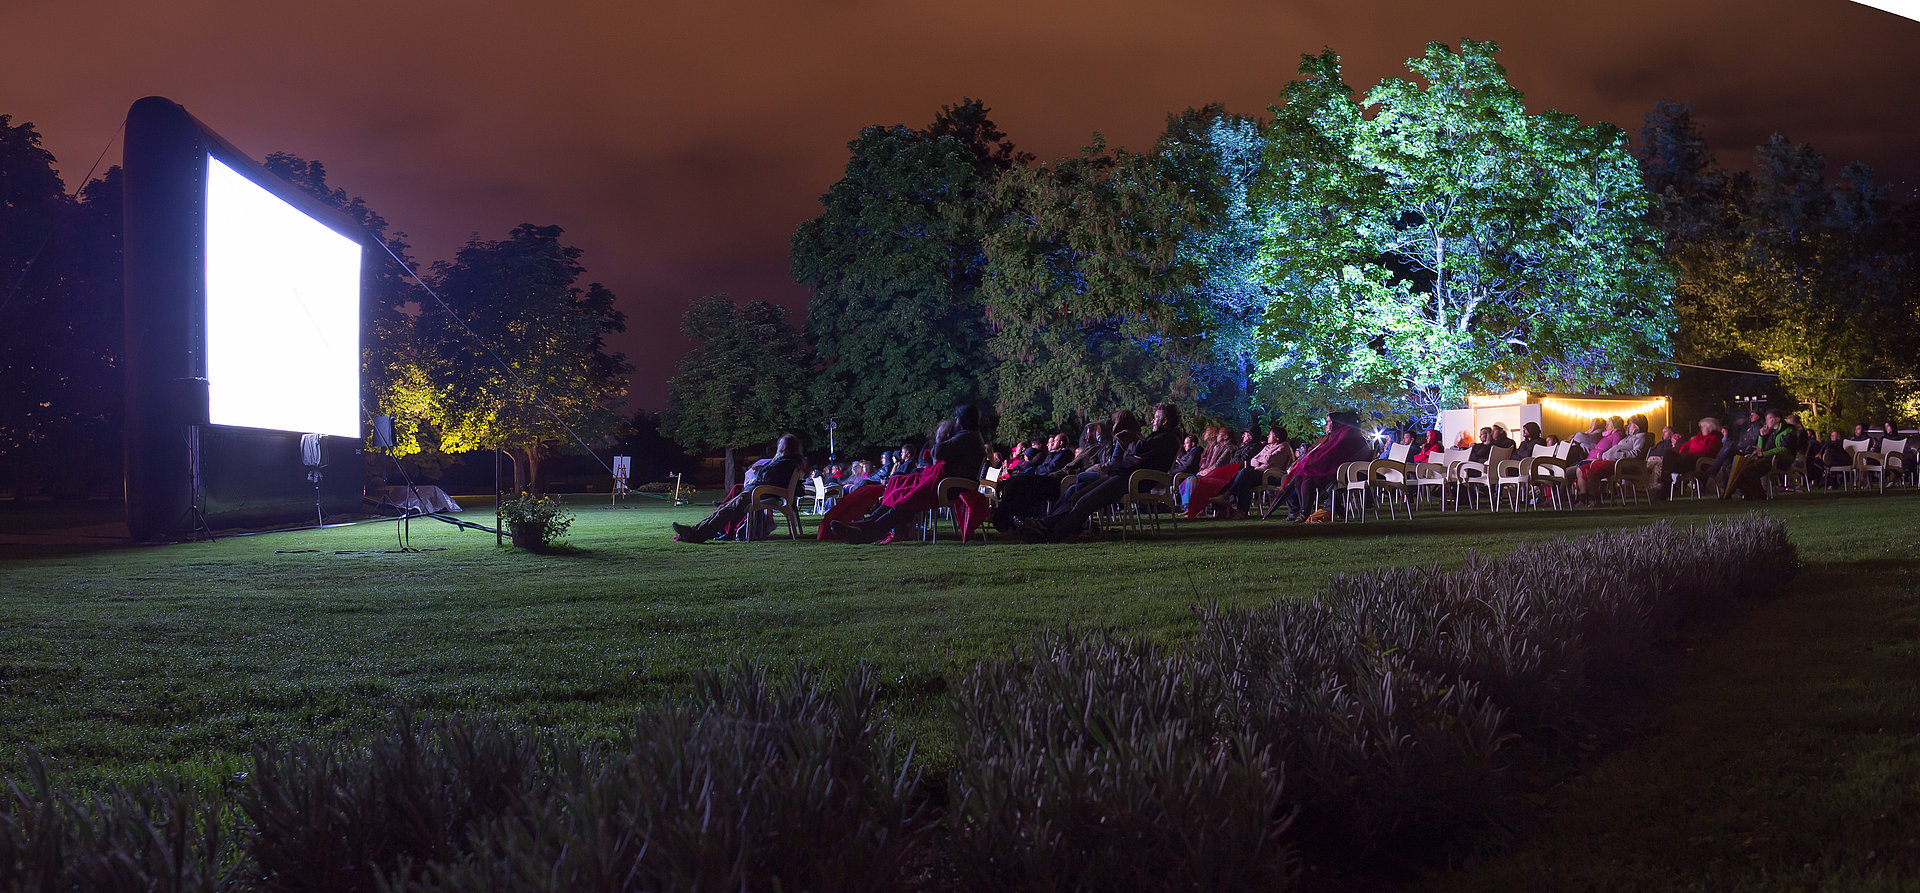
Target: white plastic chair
(1394, 484)
(1468, 474)
(1893, 457)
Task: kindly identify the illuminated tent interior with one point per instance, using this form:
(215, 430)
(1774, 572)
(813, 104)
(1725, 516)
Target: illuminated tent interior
(1562, 414)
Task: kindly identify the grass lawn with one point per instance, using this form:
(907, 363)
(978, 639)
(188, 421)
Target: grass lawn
(1783, 749)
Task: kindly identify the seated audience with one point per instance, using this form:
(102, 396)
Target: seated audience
(957, 450)
(1275, 455)
(1189, 461)
(1104, 484)
(1889, 432)
(1827, 456)
(1740, 435)
(1529, 441)
(1483, 449)
(1028, 494)
(1596, 430)
(1684, 459)
(775, 471)
(1657, 455)
(1630, 441)
(860, 475)
(1432, 450)
(1772, 451)
(1251, 443)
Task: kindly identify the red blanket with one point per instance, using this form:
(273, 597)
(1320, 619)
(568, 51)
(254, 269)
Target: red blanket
(1202, 489)
(849, 507)
(907, 492)
(915, 491)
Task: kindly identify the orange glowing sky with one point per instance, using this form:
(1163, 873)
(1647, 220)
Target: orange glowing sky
(680, 144)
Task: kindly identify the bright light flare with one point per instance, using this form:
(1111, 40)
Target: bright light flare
(1905, 8)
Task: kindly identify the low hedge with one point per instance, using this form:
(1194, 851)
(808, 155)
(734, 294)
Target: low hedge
(1373, 715)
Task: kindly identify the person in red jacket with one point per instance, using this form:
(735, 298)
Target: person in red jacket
(1432, 450)
(1683, 459)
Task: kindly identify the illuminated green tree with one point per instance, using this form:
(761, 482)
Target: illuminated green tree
(519, 307)
(1434, 239)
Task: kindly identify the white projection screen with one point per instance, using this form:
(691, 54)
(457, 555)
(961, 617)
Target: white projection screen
(282, 313)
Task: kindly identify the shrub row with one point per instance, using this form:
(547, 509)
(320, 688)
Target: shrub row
(1086, 761)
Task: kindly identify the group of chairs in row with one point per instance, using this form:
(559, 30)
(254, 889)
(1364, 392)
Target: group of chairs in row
(1458, 481)
(1866, 466)
(1395, 483)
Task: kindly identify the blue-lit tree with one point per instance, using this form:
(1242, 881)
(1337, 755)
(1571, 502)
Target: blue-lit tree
(1214, 158)
(1119, 279)
(1435, 239)
(1090, 305)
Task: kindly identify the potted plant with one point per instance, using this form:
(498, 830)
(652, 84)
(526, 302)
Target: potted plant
(535, 521)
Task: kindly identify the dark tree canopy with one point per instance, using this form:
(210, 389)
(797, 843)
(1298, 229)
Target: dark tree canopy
(745, 380)
(1785, 271)
(1091, 305)
(60, 330)
(894, 263)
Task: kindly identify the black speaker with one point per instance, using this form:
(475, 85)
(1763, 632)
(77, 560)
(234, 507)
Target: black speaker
(382, 432)
(194, 400)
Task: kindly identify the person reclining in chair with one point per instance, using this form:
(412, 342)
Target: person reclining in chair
(1104, 484)
(1317, 468)
(776, 471)
(1030, 493)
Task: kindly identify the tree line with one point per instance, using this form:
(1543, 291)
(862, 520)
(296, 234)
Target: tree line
(1388, 251)
(1391, 252)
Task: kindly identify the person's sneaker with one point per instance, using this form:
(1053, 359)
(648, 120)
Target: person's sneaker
(684, 533)
(1030, 530)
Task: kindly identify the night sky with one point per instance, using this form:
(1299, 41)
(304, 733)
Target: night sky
(680, 144)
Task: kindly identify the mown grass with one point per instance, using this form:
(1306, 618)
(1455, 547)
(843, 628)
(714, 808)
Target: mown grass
(1784, 748)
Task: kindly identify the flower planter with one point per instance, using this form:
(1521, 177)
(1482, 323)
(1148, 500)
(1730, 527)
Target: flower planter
(527, 536)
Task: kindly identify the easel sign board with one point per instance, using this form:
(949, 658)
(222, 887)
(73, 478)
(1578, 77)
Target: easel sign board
(622, 467)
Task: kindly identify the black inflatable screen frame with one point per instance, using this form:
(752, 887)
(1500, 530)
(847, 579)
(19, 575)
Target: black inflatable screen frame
(182, 471)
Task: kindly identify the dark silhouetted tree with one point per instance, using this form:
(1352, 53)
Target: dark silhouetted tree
(744, 382)
(1091, 306)
(60, 328)
(894, 264)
